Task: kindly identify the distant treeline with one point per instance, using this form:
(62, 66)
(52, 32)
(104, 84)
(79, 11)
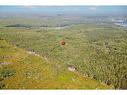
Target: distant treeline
(19, 25)
(29, 26)
(45, 25)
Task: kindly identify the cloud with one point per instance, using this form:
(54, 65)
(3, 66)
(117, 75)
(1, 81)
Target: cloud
(93, 8)
(29, 6)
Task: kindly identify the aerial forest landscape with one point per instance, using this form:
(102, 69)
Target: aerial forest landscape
(63, 47)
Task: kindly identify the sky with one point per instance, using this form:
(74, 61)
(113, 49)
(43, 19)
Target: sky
(86, 10)
(27, 6)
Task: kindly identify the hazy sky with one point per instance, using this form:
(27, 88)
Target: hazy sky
(87, 10)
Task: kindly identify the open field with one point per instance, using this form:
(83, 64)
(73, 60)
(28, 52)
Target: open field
(31, 56)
